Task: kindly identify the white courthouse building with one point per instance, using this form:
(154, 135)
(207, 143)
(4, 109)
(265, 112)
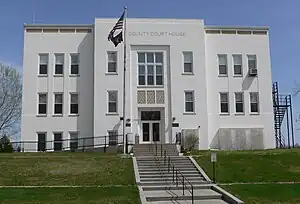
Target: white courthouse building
(181, 76)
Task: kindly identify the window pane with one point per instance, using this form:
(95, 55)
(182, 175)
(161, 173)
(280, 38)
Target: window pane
(112, 56)
(42, 98)
(159, 69)
(74, 109)
(222, 69)
(224, 97)
(112, 67)
(42, 108)
(74, 59)
(74, 98)
(189, 107)
(150, 69)
(59, 58)
(141, 57)
(224, 107)
(150, 80)
(251, 64)
(74, 69)
(254, 97)
(188, 68)
(43, 69)
(159, 57)
(159, 80)
(112, 107)
(189, 96)
(239, 107)
(239, 97)
(44, 58)
(112, 96)
(58, 98)
(222, 59)
(142, 69)
(142, 80)
(254, 107)
(41, 142)
(150, 57)
(58, 109)
(237, 59)
(188, 57)
(237, 69)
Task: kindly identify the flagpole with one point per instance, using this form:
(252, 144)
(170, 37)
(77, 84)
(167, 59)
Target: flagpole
(124, 77)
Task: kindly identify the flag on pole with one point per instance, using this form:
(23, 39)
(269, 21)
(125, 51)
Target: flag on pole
(116, 33)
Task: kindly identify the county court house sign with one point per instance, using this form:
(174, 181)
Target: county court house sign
(157, 33)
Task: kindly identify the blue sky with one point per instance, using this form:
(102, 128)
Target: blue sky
(283, 18)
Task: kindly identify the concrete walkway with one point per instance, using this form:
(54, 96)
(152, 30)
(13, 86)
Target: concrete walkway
(157, 182)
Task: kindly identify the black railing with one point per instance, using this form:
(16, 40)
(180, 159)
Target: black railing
(177, 176)
(103, 143)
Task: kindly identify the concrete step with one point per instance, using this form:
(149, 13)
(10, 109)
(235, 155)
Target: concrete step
(195, 178)
(166, 165)
(162, 162)
(166, 183)
(168, 175)
(199, 194)
(157, 171)
(174, 187)
(143, 168)
(209, 201)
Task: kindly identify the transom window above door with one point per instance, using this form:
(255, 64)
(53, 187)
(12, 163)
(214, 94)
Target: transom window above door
(150, 68)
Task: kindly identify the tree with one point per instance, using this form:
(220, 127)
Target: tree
(10, 99)
(5, 145)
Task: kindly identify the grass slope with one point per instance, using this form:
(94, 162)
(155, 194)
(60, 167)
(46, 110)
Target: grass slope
(53, 169)
(111, 195)
(253, 166)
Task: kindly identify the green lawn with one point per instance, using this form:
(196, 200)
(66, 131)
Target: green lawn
(257, 166)
(253, 166)
(108, 195)
(65, 169)
(266, 193)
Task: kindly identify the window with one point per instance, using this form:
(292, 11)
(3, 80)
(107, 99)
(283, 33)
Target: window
(224, 102)
(41, 142)
(189, 102)
(239, 102)
(113, 137)
(74, 103)
(59, 64)
(254, 102)
(251, 61)
(112, 101)
(150, 68)
(58, 103)
(43, 64)
(42, 109)
(74, 64)
(188, 62)
(112, 62)
(222, 65)
(57, 141)
(73, 141)
(237, 65)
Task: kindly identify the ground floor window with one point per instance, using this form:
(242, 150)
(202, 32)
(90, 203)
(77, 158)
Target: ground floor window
(41, 142)
(113, 137)
(57, 141)
(73, 141)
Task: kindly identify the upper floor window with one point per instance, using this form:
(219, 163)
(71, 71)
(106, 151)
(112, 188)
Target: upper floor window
(188, 62)
(237, 65)
(222, 65)
(189, 102)
(112, 101)
(59, 64)
(74, 103)
(254, 102)
(43, 64)
(224, 102)
(42, 108)
(112, 62)
(239, 102)
(252, 62)
(150, 68)
(74, 64)
(58, 103)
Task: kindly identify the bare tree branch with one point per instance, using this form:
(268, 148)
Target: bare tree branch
(10, 99)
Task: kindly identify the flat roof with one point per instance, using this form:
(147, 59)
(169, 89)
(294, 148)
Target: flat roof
(236, 27)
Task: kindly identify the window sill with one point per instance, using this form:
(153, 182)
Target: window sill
(189, 113)
(57, 115)
(223, 75)
(111, 73)
(41, 115)
(224, 114)
(112, 114)
(188, 73)
(238, 75)
(150, 86)
(58, 75)
(239, 114)
(73, 115)
(254, 113)
(74, 75)
(42, 75)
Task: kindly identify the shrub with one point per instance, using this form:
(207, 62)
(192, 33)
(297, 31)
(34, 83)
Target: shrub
(5, 145)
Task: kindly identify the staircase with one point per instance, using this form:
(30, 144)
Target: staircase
(173, 179)
(154, 149)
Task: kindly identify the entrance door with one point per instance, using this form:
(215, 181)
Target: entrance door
(150, 131)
